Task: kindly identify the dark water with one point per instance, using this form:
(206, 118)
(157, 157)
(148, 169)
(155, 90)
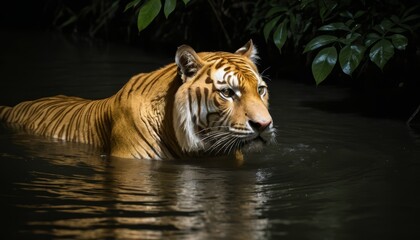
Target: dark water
(332, 174)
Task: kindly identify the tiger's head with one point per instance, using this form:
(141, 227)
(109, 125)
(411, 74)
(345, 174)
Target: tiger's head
(222, 104)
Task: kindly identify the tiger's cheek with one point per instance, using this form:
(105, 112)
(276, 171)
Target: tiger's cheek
(217, 111)
(223, 105)
(265, 99)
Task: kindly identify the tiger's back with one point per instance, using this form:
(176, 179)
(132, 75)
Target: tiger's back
(62, 117)
(133, 123)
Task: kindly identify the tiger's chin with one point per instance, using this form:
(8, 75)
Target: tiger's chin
(255, 145)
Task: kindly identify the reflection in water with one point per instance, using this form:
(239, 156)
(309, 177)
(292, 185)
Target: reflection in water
(332, 175)
(292, 191)
(88, 196)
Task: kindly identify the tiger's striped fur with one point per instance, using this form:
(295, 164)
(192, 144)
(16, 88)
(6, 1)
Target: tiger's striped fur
(210, 103)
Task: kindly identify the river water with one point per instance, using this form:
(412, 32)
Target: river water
(333, 174)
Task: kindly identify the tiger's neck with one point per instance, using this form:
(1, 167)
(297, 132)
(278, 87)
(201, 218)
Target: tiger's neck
(142, 117)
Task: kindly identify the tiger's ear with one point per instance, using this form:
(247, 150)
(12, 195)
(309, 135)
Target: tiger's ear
(188, 62)
(249, 51)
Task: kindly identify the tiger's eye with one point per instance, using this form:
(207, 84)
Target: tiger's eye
(262, 90)
(227, 92)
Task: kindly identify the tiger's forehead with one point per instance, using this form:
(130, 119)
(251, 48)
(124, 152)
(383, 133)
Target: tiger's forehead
(234, 75)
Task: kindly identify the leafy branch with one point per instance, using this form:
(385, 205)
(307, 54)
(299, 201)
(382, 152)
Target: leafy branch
(344, 34)
(148, 10)
(348, 38)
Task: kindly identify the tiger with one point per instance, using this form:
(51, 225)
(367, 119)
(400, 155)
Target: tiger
(203, 104)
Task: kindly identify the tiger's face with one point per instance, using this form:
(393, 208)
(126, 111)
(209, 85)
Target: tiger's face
(222, 105)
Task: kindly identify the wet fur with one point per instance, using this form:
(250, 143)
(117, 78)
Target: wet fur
(162, 114)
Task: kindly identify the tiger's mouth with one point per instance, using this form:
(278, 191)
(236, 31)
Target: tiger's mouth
(224, 141)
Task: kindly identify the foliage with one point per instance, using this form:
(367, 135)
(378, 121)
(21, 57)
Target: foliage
(227, 16)
(177, 19)
(347, 32)
(149, 9)
(344, 32)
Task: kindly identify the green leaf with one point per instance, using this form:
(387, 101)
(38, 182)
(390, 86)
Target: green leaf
(350, 57)
(399, 41)
(186, 2)
(379, 29)
(293, 23)
(275, 10)
(269, 27)
(346, 14)
(304, 3)
(411, 18)
(408, 11)
(148, 11)
(356, 26)
(350, 38)
(409, 27)
(334, 26)
(371, 38)
(349, 22)
(381, 52)
(323, 64)
(319, 41)
(169, 7)
(280, 35)
(397, 30)
(307, 25)
(69, 21)
(395, 18)
(131, 4)
(359, 13)
(326, 8)
(386, 24)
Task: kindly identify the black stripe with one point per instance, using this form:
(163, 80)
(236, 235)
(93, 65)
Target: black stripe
(209, 80)
(140, 134)
(59, 120)
(138, 83)
(220, 63)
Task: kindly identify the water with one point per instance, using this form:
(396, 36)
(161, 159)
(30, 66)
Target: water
(333, 174)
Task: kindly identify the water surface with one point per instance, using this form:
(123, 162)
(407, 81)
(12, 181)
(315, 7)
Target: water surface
(332, 174)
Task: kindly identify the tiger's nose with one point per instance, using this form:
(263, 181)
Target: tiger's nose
(259, 125)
